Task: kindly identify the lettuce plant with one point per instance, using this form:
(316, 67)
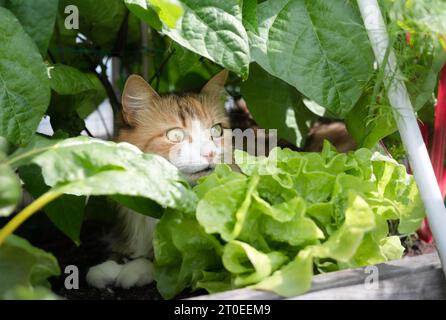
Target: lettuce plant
(285, 218)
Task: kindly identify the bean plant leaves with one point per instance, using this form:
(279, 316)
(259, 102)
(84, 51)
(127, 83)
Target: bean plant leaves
(214, 29)
(24, 87)
(169, 11)
(275, 104)
(249, 12)
(37, 18)
(23, 266)
(320, 47)
(66, 80)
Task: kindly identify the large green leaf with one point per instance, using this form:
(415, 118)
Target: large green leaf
(37, 18)
(320, 47)
(10, 190)
(83, 166)
(275, 104)
(24, 87)
(213, 29)
(24, 266)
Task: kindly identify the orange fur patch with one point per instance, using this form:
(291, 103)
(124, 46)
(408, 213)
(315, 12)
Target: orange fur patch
(172, 111)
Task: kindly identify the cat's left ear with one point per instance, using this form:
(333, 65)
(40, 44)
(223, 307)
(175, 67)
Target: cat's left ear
(137, 95)
(216, 86)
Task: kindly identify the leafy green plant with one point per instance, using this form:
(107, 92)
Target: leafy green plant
(293, 61)
(285, 216)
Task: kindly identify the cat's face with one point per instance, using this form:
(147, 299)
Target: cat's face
(187, 130)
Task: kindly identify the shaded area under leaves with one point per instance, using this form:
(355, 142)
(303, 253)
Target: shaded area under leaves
(41, 233)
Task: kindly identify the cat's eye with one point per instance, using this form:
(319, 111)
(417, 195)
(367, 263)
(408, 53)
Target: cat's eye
(216, 131)
(175, 135)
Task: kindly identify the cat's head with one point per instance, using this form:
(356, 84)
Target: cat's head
(187, 129)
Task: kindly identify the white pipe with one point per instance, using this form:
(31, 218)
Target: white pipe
(407, 126)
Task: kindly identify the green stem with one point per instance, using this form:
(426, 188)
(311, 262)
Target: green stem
(36, 205)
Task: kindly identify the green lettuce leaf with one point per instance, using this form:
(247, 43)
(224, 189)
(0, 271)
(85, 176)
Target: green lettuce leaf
(285, 217)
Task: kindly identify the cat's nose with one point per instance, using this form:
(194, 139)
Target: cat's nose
(209, 156)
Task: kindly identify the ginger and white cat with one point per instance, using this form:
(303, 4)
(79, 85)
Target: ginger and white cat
(185, 129)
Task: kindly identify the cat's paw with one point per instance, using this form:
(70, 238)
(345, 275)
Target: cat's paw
(136, 273)
(104, 274)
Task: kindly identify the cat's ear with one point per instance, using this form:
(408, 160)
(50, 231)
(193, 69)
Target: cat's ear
(137, 95)
(216, 86)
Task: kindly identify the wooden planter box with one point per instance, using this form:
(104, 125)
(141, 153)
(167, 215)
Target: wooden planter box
(419, 277)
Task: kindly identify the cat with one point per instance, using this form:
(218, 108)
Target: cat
(189, 131)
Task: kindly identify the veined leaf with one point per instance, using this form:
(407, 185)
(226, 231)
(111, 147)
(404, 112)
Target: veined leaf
(24, 87)
(319, 47)
(214, 29)
(82, 166)
(37, 18)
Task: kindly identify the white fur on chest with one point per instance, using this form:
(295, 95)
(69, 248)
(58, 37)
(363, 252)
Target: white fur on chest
(136, 238)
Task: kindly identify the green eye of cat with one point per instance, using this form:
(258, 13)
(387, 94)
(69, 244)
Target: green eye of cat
(175, 135)
(216, 131)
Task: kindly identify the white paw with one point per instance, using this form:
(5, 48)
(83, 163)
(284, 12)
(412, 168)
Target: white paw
(138, 272)
(104, 274)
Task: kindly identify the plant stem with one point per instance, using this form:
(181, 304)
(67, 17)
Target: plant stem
(36, 205)
(162, 65)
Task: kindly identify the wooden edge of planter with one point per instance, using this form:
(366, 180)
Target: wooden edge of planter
(419, 277)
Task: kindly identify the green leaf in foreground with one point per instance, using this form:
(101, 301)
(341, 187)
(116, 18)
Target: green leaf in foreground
(24, 87)
(24, 266)
(83, 166)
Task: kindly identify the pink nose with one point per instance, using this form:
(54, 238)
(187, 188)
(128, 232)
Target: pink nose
(209, 156)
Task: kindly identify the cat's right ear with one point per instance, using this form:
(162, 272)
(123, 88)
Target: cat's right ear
(137, 95)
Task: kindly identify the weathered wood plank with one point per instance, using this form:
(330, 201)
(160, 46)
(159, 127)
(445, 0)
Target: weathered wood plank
(418, 277)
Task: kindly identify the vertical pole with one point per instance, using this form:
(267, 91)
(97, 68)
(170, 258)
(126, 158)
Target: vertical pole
(407, 125)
